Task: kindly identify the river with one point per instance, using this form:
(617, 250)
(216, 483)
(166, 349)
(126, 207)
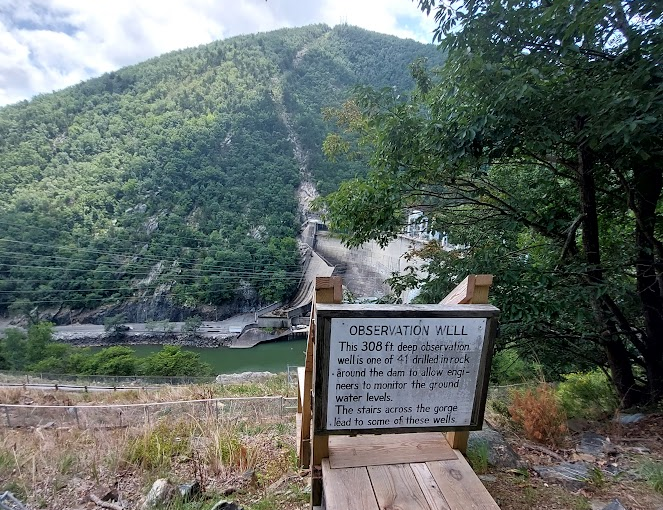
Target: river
(266, 357)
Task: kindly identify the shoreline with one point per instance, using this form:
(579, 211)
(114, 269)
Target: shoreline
(106, 340)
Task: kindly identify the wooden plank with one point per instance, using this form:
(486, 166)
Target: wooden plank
(327, 290)
(429, 487)
(462, 293)
(305, 437)
(461, 487)
(483, 280)
(346, 489)
(301, 375)
(346, 451)
(481, 288)
(472, 290)
(320, 449)
(413, 311)
(395, 486)
(298, 427)
(458, 440)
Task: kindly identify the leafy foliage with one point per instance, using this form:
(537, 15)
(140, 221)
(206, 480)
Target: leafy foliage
(588, 395)
(509, 367)
(537, 147)
(177, 176)
(36, 352)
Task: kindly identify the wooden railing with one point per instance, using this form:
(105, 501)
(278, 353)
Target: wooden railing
(312, 448)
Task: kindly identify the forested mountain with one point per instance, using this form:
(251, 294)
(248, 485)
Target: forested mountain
(176, 179)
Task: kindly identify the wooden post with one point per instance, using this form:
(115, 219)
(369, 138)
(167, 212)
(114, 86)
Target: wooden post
(472, 290)
(327, 290)
(304, 395)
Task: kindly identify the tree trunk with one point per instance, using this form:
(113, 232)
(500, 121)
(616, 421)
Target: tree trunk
(616, 352)
(647, 191)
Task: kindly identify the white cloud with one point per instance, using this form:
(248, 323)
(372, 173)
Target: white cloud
(46, 45)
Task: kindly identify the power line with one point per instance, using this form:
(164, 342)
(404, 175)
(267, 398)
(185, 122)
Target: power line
(147, 273)
(91, 250)
(60, 232)
(154, 259)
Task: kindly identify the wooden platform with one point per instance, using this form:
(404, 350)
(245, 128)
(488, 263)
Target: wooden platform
(434, 485)
(358, 451)
(405, 471)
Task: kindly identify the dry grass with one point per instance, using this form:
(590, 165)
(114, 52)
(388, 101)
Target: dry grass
(276, 385)
(58, 467)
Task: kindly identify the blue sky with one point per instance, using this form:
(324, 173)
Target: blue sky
(47, 45)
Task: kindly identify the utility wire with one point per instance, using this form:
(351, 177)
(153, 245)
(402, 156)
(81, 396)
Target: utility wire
(156, 260)
(101, 252)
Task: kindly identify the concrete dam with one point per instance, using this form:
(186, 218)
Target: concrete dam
(364, 271)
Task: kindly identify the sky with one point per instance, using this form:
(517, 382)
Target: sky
(47, 45)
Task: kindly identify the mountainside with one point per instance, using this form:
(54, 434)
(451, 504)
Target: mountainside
(176, 181)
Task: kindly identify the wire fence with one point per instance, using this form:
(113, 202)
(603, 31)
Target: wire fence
(14, 377)
(130, 415)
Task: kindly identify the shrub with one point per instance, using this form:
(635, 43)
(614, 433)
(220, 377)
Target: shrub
(171, 360)
(539, 413)
(587, 395)
(652, 472)
(508, 368)
(478, 454)
(156, 448)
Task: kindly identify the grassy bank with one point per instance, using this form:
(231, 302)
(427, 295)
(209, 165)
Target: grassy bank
(249, 458)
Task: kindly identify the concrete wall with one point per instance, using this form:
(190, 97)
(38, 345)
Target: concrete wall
(364, 269)
(273, 322)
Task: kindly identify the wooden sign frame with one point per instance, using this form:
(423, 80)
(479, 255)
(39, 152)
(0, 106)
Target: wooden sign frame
(326, 312)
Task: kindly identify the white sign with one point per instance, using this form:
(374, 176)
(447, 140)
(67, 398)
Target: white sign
(387, 373)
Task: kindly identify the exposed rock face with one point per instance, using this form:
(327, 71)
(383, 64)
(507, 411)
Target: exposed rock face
(149, 338)
(156, 308)
(243, 377)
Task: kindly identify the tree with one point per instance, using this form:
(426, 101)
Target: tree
(171, 360)
(192, 325)
(24, 308)
(539, 149)
(15, 348)
(115, 325)
(40, 336)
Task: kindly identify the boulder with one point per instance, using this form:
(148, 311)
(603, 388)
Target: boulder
(593, 444)
(615, 504)
(500, 453)
(573, 476)
(161, 493)
(226, 505)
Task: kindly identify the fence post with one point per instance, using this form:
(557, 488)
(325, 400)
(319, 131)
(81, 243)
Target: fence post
(78, 423)
(9, 423)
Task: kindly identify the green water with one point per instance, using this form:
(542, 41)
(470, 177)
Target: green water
(269, 357)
